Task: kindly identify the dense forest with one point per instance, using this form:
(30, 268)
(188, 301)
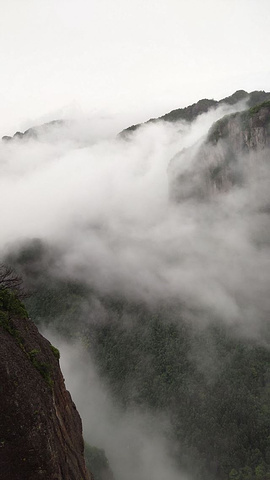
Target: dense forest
(212, 383)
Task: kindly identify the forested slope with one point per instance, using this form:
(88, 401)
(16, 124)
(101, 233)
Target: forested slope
(213, 384)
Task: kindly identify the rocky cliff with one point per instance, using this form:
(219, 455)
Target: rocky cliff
(40, 428)
(223, 158)
(247, 130)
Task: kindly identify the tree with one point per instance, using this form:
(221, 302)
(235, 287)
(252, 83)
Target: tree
(10, 280)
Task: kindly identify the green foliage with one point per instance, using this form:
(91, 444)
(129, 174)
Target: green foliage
(10, 303)
(256, 108)
(216, 414)
(44, 368)
(234, 475)
(219, 129)
(55, 351)
(32, 354)
(96, 461)
(213, 385)
(61, 303)
(11, 306)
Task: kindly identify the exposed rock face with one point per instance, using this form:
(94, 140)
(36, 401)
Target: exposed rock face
(220, 161)
(246, 130)
(40, 428)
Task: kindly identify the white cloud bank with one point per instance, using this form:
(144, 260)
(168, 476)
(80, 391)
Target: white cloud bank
(106, 203)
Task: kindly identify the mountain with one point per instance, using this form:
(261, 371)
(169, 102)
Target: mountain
(202, 364)
(188, 114)
(35, 132)
(41, 430)
(211, 383)
(225, 157)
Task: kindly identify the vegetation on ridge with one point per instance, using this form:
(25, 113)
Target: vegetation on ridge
(11, 307)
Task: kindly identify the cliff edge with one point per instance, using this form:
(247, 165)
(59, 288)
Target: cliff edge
(233, 147)
(40, 428)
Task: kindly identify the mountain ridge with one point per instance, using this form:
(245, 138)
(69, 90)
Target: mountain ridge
(191, 112)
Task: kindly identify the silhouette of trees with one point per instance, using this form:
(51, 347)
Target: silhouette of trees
(10, 280)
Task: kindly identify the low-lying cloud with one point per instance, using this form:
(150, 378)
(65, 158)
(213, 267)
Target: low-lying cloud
(135, 442)
(106, 205)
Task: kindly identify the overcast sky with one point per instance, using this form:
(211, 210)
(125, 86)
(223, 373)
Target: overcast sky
(136, 59)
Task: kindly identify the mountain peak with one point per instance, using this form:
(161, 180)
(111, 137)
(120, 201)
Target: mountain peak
(191, 112)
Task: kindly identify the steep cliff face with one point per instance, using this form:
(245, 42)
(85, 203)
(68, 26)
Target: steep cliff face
(222, 159)
(40, 428)
(245, 130)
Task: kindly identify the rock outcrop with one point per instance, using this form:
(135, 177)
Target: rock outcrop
(40, 428)
(222, 159)
(247, 130)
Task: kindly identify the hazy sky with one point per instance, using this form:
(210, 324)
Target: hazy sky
(140, 58)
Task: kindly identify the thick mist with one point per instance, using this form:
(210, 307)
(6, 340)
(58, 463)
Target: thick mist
(105, 205)
(135, 442)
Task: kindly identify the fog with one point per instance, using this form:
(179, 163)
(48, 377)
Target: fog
(105, 203)
(127, 57)
(135, 442)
